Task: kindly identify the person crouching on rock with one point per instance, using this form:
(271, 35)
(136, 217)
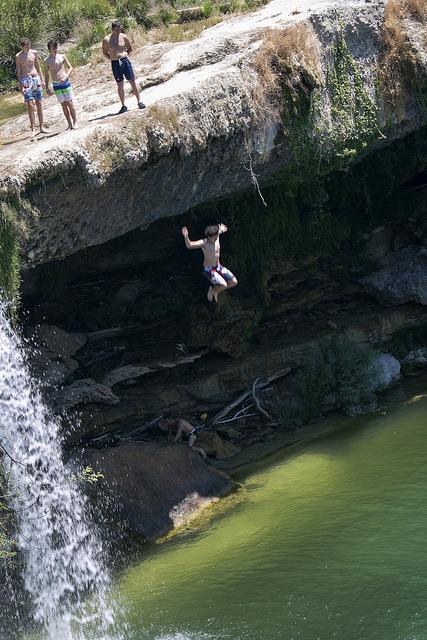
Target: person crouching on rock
(180, 430)
(116, 47)
(219, 277)
(61, 84)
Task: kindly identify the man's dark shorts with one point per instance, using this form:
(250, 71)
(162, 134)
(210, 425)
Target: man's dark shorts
(122, 69)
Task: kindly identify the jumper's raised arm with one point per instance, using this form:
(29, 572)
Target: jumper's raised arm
(191, 244)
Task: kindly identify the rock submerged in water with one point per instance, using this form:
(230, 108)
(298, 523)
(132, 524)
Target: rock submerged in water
(403, 280)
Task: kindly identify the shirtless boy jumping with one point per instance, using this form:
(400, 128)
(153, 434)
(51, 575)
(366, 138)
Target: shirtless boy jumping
(219, 277)
(116, 48)
(60, 80)
(31, 83)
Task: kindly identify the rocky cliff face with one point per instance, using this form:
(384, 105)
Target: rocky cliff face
(213, 123)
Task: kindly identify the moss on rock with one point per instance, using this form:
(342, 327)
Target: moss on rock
(9, 254)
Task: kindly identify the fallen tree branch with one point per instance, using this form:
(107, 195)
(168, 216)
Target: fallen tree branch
(127, 434)
(260, 409)
(262, 383)
(7, 454)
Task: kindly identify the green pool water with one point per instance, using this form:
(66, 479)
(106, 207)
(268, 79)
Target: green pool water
(326, 542)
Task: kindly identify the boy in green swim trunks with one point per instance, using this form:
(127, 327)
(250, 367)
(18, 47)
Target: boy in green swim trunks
(60, 69)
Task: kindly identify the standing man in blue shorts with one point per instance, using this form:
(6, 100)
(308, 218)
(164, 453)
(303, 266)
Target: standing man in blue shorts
(116, 47)
(31, 83)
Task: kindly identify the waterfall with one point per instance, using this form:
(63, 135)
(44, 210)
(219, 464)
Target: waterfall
(62, 554)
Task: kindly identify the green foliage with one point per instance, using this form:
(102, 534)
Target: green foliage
(137, 9)
(40, 20)
(78, 57)
(324, 138)
(20, 18)
(64, 16)
(89, 33)
(354, 114)
(90, 476)
(229, 6)
(207, 9)
(63, 19)
(255, 4)
(93, 9)
(335, 374)
(6, 543)
(167, 14)
(9, 254)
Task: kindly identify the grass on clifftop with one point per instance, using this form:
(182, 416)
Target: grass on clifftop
(288, 62)
(399, 64)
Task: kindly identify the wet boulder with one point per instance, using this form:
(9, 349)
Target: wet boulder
(417, 358)
(403, 280)
(152, 487)
(384, 371)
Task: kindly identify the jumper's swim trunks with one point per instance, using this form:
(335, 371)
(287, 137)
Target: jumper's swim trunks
(187, 436)
(215, 275)
(32, 88)
(122, 69)
(63, 91)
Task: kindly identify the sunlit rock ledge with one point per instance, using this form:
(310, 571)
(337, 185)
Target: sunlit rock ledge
(207, 130)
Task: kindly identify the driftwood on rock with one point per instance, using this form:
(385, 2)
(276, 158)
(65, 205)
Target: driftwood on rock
(131, 371)
(259, 383)
(248, 399)
(259, 408)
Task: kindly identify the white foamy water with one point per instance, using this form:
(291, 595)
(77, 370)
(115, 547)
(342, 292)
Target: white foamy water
(63, 568)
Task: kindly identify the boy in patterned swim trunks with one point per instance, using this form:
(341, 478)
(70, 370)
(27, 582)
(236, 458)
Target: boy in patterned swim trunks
(60, 81)
(31, 83)
(219, 277)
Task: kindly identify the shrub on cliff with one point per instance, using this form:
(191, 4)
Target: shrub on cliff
(19, 18)
(137, 9)
(335, 374)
